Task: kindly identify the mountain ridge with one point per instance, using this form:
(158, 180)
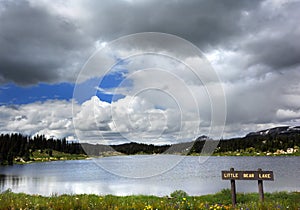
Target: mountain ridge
(276, 131)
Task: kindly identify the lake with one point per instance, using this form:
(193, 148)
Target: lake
(146, 174)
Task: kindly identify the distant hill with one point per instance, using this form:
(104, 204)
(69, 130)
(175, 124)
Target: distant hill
(285, 130)
(268, 140)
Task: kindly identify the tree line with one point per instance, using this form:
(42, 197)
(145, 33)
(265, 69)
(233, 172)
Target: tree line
(135, 148)
(18, 145)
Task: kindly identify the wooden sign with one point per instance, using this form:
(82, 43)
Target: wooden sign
(258, 175)
(248, 175)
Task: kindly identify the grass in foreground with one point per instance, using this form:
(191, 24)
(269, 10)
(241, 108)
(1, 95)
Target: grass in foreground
(178, 200)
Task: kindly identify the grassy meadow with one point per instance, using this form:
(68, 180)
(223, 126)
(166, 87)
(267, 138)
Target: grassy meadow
(177, 200)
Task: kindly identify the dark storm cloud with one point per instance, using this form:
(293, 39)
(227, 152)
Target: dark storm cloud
(273, 36)
(36, 46)
(276, 53)
(39, 44)
(202, 22)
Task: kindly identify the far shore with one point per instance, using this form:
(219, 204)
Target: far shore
(59, 156)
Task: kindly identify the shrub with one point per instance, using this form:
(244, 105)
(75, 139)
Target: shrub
(179, 194)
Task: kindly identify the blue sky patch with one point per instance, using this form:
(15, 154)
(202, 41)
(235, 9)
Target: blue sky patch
(14, 94)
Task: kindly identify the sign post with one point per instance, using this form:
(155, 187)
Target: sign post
(261, 188)
(233, 190)
(259, 175)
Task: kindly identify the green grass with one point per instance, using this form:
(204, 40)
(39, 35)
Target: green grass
(42, 156)
(179, 200)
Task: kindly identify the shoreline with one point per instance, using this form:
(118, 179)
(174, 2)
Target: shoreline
(59, 156)
(86, 157)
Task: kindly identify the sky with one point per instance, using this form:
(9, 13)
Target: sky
(53, 80)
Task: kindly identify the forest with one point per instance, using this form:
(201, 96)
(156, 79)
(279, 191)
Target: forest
(18, 145)
(14, 146)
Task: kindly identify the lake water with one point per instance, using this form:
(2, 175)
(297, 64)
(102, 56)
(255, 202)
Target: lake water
(146, 174)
